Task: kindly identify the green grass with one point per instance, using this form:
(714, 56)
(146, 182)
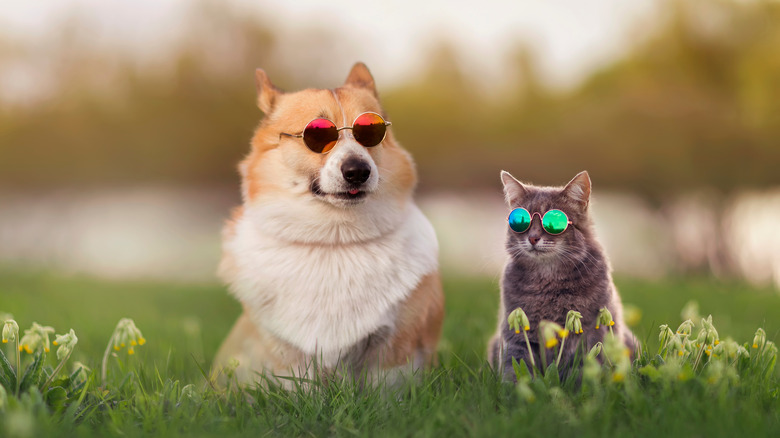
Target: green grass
(462, 397)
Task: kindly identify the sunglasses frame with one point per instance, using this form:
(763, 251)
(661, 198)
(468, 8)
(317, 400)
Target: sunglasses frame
(386, 123)
(541, 220)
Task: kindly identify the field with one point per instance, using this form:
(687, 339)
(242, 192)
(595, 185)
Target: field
(184, 324)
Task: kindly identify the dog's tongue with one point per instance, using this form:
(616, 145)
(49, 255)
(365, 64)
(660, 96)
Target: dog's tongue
(354, 192)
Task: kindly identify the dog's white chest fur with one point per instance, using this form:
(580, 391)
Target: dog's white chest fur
(323, 298)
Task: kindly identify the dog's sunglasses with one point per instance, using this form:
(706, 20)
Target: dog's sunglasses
(320, 135)
(553, 222)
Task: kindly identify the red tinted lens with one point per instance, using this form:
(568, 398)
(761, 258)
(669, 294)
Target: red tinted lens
(369, 129)
(320, 135)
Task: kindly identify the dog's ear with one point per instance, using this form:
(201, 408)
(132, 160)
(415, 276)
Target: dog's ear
(360, 77)
(266, 91)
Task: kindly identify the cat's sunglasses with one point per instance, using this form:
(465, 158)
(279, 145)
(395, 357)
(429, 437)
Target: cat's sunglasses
(553, 222)
(320, 135)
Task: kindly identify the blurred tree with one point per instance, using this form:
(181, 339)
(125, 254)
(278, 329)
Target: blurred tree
(695, 104)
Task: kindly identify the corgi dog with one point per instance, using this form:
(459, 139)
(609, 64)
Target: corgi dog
(328, 254)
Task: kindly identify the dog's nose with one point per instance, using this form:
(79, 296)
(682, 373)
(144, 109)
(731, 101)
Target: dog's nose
(355, 171)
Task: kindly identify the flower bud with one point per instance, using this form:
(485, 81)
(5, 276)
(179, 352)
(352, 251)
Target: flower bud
(595, 351)
(517, 320)
(665, 335)
(35, 337)
(574, 322)
(549, 332)
(685, 328)
(66, 342)
(770, 348)
(759, 340)
(605, 318)
(10, 331)
(675, 346)
(82, 369)
(127, 334)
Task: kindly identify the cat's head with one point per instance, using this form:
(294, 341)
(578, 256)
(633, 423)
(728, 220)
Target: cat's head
(536, 244)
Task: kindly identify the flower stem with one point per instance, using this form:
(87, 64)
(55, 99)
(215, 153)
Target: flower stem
(698, 357)
(103, 369)
(530, 352)
(560, 352)
(56, 370)
(18, 366)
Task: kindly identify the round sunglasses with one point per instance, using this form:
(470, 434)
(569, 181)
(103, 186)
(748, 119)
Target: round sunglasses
(553, 222)
(320, 135)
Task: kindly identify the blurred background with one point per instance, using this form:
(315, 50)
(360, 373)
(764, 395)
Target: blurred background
(121, 123)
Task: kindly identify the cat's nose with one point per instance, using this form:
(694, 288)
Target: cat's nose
(534, 240)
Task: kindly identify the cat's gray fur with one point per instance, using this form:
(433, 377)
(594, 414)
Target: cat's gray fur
(559, 273)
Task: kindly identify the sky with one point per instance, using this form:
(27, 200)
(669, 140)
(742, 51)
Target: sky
(569, 38)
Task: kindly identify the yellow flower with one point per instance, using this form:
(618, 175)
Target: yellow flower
(573, 322)
(549, 331)
(618, 377)
(66, 341)
(563, 333)
(36, 337)
(127, 333)
(604, 317)
(10, 331)
(516, 319)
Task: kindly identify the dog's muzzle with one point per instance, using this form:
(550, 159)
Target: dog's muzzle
(355, 171)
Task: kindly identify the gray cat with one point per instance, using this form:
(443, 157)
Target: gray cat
(548, 274)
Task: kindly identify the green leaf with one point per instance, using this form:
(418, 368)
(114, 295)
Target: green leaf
(32, 375)
(7, 374)
(551, 376)
(651, 372)
(56, 397)
(521, 370)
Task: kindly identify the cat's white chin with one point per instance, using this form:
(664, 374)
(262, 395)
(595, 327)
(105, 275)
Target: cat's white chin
(540, 253)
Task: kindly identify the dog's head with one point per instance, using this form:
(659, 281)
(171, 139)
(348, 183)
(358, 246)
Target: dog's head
(349, 175)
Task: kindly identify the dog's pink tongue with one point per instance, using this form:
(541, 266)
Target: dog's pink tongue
(354, 192)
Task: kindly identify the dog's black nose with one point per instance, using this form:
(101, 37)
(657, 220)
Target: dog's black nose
(355, 171)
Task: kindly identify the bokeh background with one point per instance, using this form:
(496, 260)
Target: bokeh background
(121, 123)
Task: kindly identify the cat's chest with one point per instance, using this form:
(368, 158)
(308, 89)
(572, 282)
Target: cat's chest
(553, 300)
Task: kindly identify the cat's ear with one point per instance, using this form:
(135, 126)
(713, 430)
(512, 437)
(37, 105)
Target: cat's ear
(267, 93)
(578, 189)
(514, 190)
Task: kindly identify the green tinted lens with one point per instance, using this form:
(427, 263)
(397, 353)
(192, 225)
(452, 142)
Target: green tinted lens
(555, 222)
(519, 220)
